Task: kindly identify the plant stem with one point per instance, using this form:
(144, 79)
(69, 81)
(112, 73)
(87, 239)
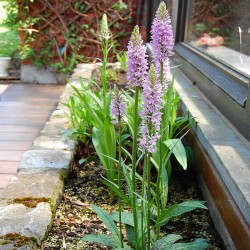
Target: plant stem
(104, 71)
(148, 169)
(134, 154)
(158, 186)
(142, 201)
(119, 181)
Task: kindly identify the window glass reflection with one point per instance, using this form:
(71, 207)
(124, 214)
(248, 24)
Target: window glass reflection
(222, 30)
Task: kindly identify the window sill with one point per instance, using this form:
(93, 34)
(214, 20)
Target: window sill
(225, 164)
(226, 55)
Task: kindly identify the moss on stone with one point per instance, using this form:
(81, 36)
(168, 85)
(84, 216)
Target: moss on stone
(17, 240)
(30, 201)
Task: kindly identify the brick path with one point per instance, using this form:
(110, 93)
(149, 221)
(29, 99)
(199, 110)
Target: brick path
(24, 109)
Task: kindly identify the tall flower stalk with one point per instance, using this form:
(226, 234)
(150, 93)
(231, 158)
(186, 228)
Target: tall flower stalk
(117, 110)
(150, 131)
(162, 43)
(136, 76)
(151, 112)
(104, 36)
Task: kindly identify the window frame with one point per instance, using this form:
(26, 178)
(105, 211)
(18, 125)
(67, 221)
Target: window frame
(227, 89)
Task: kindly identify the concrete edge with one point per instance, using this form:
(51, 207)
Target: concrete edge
(40, 177)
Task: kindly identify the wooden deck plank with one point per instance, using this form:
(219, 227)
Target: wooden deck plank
(15, 145)
(8, 167)
(24, 110)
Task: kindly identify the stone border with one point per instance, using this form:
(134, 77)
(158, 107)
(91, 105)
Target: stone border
(40, 176)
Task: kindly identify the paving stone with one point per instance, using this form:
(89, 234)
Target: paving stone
(46, 159)
(28, 222)
(55, 128)
(46, 183)
(6, 246)
(83, 70)
(53, 142)
(59, 115)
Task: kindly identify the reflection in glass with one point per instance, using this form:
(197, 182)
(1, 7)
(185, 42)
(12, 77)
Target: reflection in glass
(222, 30)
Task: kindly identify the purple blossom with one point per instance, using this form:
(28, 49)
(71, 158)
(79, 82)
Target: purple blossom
(162, 34)
(151, 112)
(162, 42)
(117, 106)
(137, 60)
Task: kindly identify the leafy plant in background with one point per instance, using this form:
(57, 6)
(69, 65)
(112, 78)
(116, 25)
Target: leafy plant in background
(90, 115)
(9, 37)
(122, 59)
(149, 212)
(50, 37)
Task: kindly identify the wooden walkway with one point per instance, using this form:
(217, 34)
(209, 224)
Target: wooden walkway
(24, 109)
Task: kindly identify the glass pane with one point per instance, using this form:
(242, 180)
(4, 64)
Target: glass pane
(222, 30)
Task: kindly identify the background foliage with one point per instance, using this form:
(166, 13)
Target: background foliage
(61, 33)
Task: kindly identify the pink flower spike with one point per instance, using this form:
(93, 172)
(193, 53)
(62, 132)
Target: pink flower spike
(137, 60)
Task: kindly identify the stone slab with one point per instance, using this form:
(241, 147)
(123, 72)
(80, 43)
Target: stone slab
(57, 142)
(54, 159)
(12, 246)
(47, 183)
(37, 220)
(55, 128)
(32, 74)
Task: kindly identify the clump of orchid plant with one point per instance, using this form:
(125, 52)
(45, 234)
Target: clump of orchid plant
(152, 145)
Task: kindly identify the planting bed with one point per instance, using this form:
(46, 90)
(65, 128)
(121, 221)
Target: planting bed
(74, 218)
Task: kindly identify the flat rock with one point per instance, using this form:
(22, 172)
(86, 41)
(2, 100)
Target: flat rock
(53, 142)
(11, 246)
(46, 159)
(55, 128)
(46, 183)
(37, 220)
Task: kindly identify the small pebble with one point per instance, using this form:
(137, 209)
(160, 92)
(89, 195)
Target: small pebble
(71, 234)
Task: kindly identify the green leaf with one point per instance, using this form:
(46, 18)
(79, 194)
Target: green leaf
(130, 235)
(127, 218)
(179, 209)
(109, 222)
(177, 148)
(124, 248)
(164, 187)
(104, 142)
(198, 244)
(166, 242)
(128, 179)
(81, 161)
(125, 136)
(105, 239)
